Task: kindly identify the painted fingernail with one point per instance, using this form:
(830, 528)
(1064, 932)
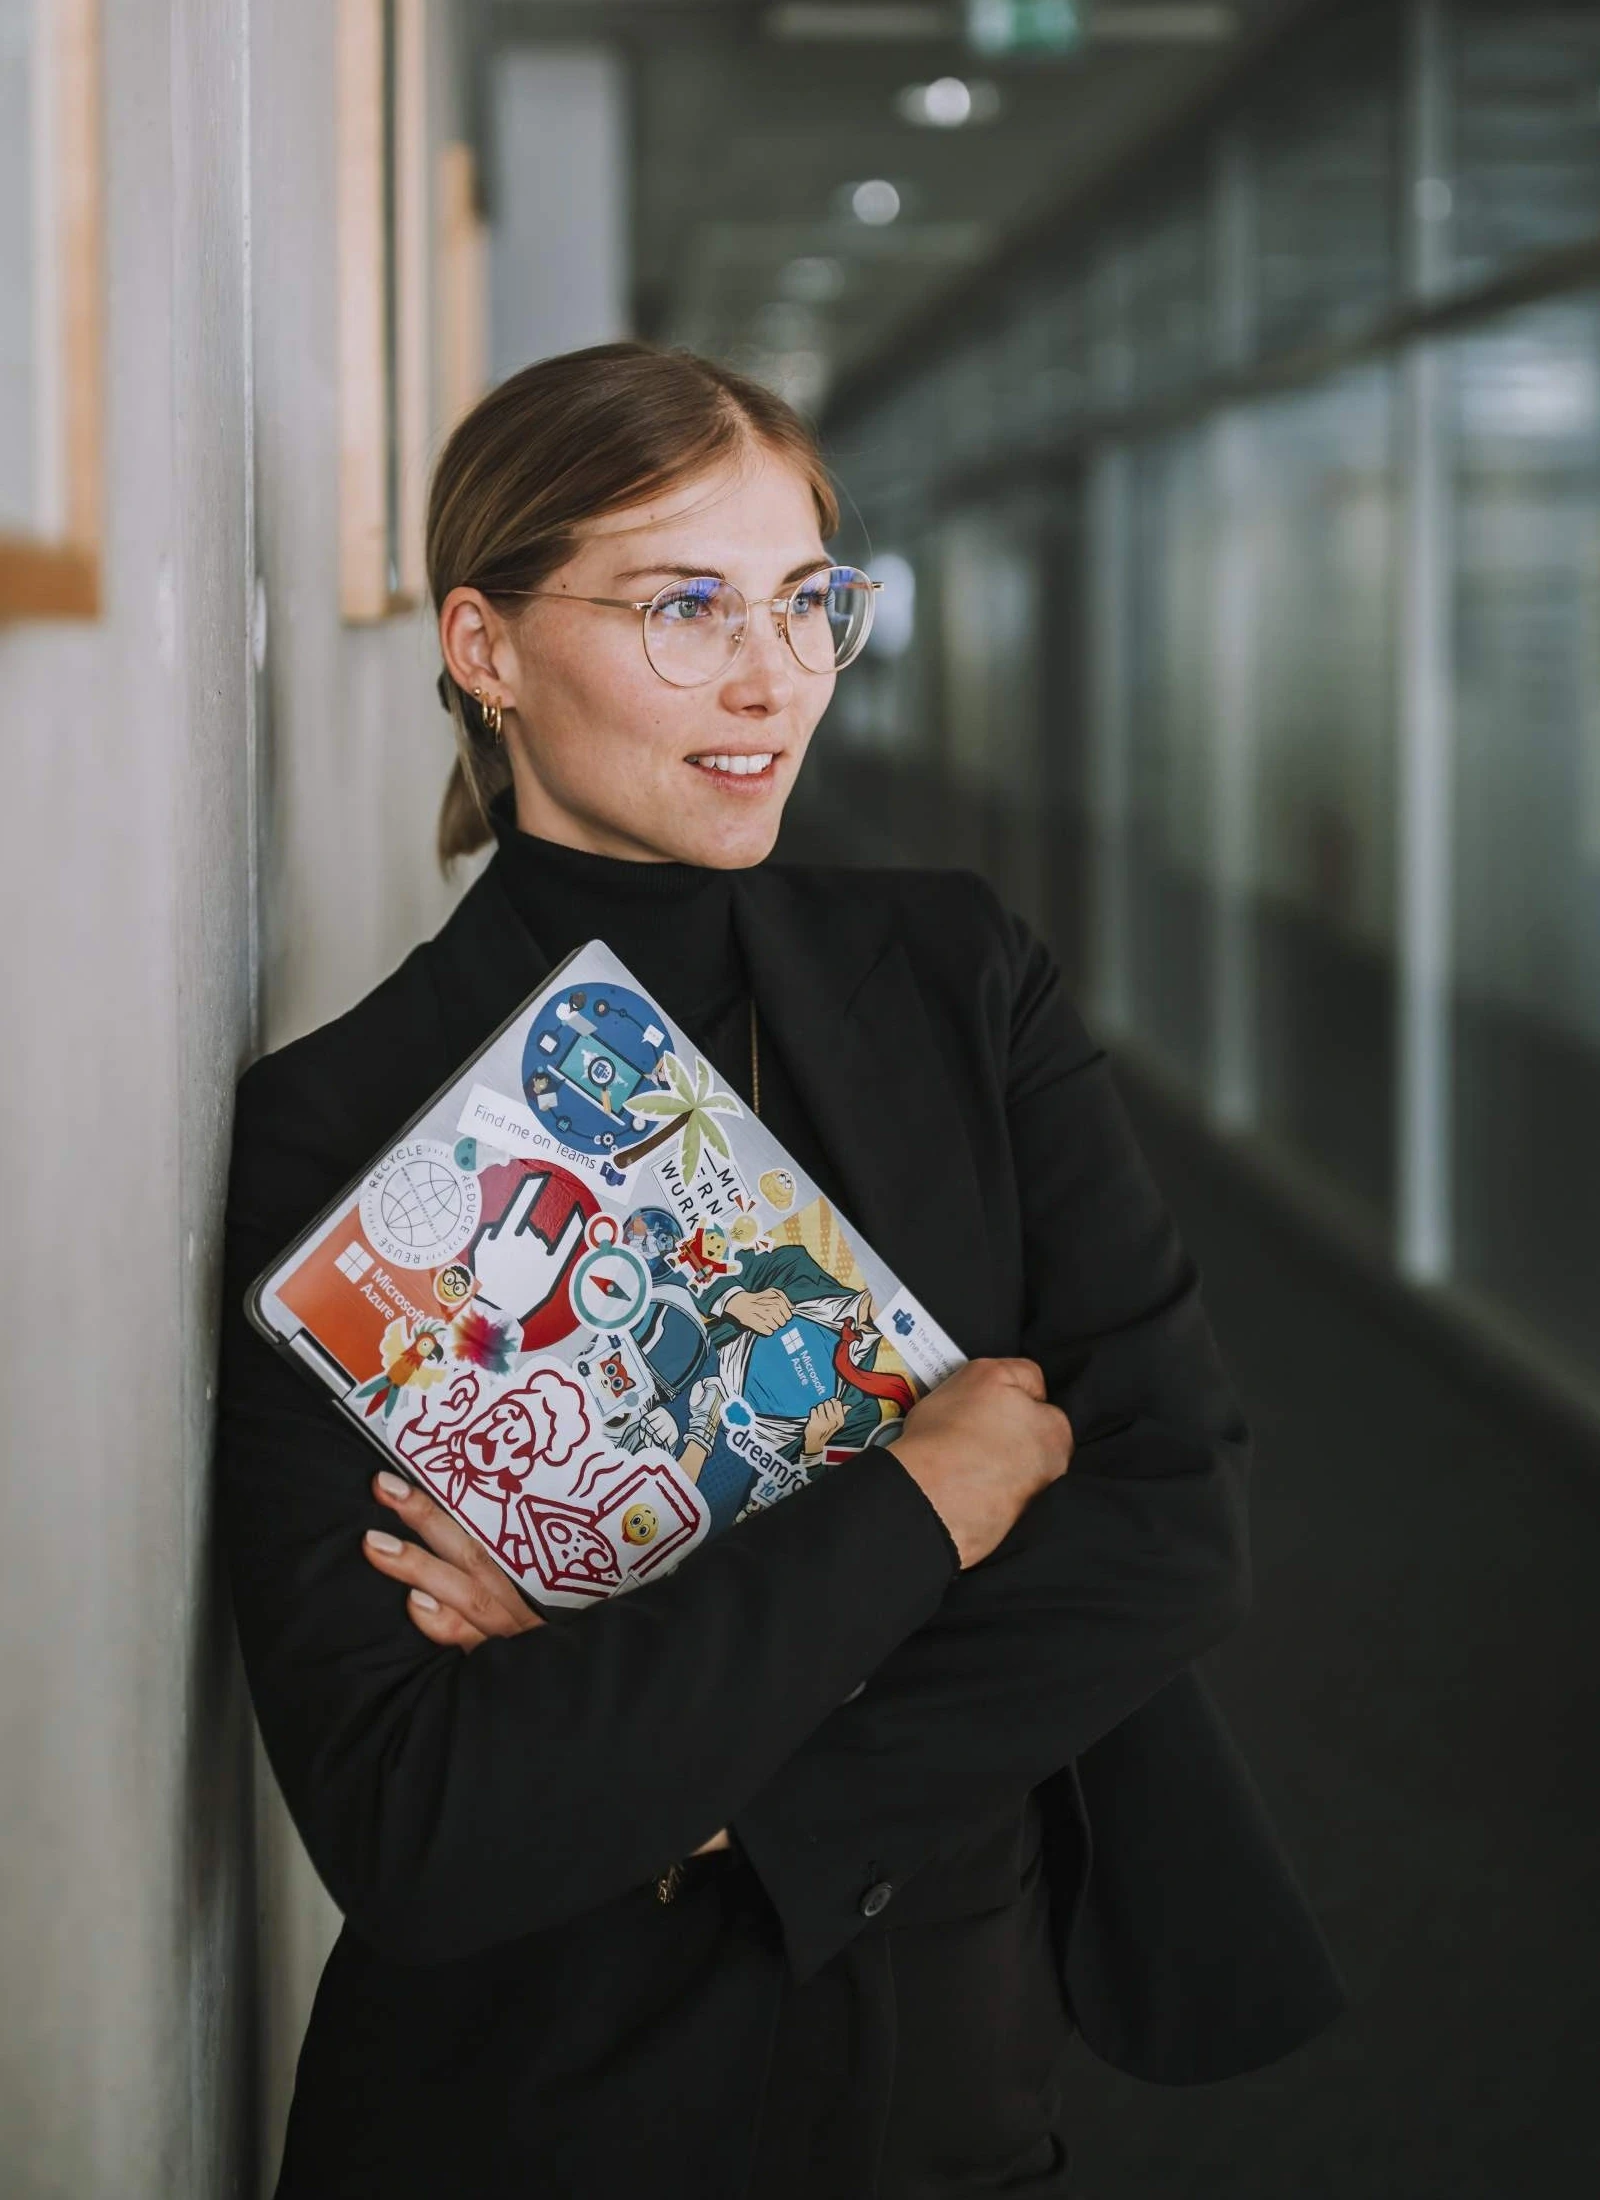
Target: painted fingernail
(382, 1542)
(428, 1603)
(392, 1485)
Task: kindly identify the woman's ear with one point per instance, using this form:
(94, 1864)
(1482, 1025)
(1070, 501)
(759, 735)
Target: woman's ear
(469, 627)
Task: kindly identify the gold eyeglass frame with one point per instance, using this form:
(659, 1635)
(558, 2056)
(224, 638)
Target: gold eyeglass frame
(780, 606)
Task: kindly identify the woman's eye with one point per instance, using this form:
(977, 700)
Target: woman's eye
(687, 608)
(809, 599)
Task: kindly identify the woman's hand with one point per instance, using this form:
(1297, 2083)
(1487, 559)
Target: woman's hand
(982, 1446)
(459, 1596)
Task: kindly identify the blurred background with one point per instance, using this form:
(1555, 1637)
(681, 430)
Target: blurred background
(1216, 392)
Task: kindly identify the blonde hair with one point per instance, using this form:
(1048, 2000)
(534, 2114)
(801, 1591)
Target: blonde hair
(568, 440)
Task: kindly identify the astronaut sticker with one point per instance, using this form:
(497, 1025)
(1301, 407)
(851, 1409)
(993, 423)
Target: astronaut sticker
(591, 1364)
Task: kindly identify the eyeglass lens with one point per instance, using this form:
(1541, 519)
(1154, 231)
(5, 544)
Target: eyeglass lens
(693, 629)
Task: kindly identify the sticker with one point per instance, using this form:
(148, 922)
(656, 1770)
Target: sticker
(417, 1207)
(640, 1524)
(715, 1188)
(610, 1287)
(413, 1359)
(566, 1512)
(919, 1340)
(652, 1232)
(704, 1255)
(497, 1128)
(589, 1053)
(776, 1187)
(617, 1376)
(603, 1230)
(775, 1476)
(532, 1236)
(482, 1342)
(454, 1285)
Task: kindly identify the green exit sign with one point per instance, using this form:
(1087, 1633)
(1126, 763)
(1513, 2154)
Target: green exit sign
(1025, 26)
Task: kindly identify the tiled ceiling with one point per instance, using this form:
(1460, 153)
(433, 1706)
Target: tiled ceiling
(747, 142)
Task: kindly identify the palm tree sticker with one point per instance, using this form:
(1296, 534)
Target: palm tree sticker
(689, 1109)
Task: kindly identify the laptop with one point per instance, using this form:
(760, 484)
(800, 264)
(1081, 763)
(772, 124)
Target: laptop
(589, 1303)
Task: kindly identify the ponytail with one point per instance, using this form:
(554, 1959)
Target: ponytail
(481, 771)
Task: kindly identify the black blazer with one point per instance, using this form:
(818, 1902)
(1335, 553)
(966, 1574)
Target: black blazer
(507, 1989)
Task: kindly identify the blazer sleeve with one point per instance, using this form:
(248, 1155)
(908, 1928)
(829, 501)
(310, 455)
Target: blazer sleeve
(1111, 1581)
(452, 1802)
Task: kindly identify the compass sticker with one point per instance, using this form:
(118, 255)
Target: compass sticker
(610, 1287)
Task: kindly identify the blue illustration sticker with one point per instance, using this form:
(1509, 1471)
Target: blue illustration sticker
(588, 1051)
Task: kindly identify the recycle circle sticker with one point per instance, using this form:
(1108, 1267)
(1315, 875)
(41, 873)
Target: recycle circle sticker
(610, 1287)
(418, 1207)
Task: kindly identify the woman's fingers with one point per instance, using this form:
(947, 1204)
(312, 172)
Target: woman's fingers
(440, 1624)
(448, 1540)
(451, 1588)
(470, 1595)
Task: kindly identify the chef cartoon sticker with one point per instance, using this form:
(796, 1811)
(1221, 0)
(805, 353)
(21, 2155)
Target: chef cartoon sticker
(572, 1517)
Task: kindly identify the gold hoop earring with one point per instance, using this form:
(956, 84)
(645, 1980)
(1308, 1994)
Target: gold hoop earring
(494, 716)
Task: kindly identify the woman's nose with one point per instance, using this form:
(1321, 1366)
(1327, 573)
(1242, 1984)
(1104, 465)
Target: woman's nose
(762, 675)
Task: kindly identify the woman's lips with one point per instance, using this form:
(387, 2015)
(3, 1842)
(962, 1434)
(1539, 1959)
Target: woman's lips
(738, 771)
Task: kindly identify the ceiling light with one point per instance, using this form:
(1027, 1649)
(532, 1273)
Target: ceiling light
(874, 202)
(948, 102)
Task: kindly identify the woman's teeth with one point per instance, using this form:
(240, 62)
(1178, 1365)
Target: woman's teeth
(740, 766)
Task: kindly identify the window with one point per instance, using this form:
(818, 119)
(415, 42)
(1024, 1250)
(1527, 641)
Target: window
(383, 330)
(50, 309)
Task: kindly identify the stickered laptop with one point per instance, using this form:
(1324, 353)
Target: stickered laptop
(591, 1306)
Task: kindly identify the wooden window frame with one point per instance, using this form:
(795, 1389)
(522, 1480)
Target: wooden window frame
(382, 250)
(60, 577)
(463, 284)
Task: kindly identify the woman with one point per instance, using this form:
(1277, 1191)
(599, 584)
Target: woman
(789, 1874)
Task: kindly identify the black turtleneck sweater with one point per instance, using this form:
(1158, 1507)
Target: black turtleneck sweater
(970, 2014)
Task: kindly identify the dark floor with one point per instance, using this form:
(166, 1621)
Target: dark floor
(1417, 1691)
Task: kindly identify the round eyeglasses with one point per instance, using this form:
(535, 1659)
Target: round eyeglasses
(694, 629)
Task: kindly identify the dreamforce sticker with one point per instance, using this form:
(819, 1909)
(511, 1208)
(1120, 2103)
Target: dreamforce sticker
(417, 1208)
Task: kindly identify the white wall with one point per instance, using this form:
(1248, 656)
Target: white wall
(138, 1991)
(125, 1940)
(558, 261)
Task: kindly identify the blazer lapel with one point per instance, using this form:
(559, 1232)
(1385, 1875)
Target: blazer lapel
(843, 1006)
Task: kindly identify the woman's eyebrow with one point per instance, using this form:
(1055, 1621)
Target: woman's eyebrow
(711, 572)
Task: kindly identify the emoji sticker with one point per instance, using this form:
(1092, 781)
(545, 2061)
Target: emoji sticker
(776, 1187)
(454, 1285)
